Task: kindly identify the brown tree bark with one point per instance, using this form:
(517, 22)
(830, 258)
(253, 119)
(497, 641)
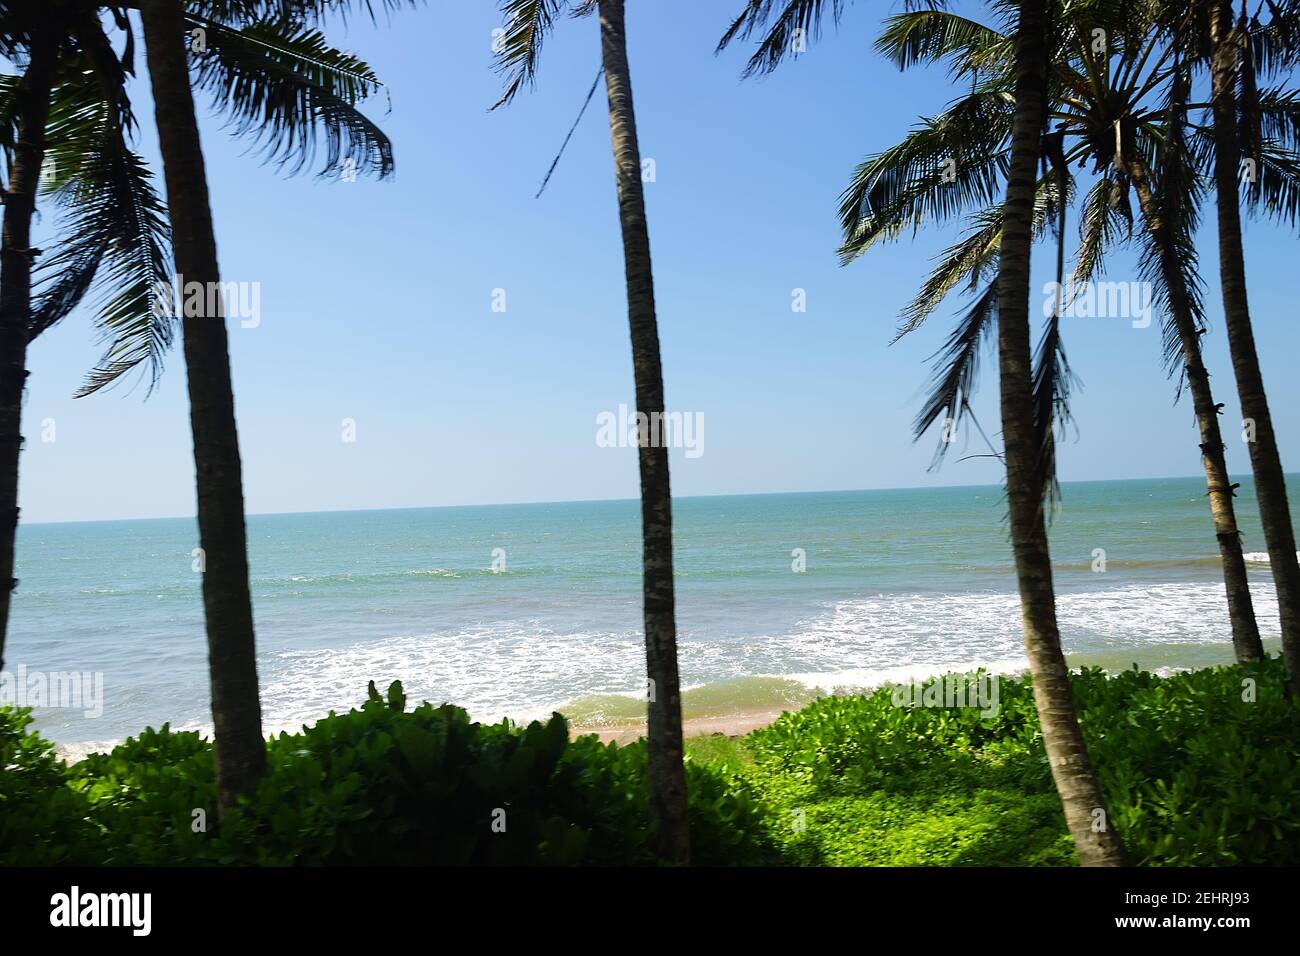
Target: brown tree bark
(32, 101)
(1265, 462)
(1072, 770)
(667, 774)
(1241, 613)
(236, 709)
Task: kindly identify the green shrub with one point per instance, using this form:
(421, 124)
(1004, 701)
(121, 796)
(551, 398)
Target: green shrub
(377, 785)
(1195, 770)
(1198, 769)
(42, 820)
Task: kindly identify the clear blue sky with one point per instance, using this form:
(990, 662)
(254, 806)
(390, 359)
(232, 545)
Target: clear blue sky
(376, 297)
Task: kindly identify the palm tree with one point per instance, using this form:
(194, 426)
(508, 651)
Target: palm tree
(276, 79)
(1026, 414)
(59, 115)
(239, 748)
(1076, 781)
(1232, 67)
(1169, 210)
(279, 81)
(24, 124)
(116, 232)
(527, 23)
(1094, 99)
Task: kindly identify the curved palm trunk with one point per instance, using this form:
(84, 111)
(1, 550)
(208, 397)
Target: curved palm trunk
(1241, 613)
(667, 775)
(1270, 481)
(1076, 781)
(16, 257)
(236, 710)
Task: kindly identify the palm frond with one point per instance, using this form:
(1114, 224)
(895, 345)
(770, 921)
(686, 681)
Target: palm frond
(1053, 382)
(1275, 45)
(76, 122)
(955, 371)
(527, 22)
(1106, 211)
(118, 244)
(976, 255)
(296, 12)
(1279, 117)
(946, 165)
(928, 36)
(794, 19)
(285, 86)
(1275, 191)
(1169, 260)
(8, 113)
(965, 260)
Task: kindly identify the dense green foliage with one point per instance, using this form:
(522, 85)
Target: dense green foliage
(1197, 769)
(376, 785)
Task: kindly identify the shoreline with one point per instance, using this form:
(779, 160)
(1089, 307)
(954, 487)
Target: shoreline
(711, 709)
(729, 725)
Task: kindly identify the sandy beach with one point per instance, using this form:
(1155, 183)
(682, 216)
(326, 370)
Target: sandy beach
(730, 725)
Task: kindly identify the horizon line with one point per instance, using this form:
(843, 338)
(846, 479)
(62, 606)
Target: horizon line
(576, 501)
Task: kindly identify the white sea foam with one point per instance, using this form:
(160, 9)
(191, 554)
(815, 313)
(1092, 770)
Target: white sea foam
(1260, 557)
(526, 668)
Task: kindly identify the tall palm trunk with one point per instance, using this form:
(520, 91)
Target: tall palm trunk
(1241, 613)
(236, 710)
(1270, 482)
(16, 256)
(1076, 781)
(666, 773)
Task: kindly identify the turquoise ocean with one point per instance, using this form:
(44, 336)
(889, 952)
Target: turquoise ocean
(896, 584)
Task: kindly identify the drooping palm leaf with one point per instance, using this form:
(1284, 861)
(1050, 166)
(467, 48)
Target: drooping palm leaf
(519, 48)
(286, 86)
(117, 241)
(1276, 189)
(956, 371)
(946, 165)
(966, 260)
(928, 36)
(804, 16)
(1106, 220)
(1179, 190)
(973, 257)
(1052, 384)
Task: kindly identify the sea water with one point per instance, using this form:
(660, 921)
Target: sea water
(517, 610)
